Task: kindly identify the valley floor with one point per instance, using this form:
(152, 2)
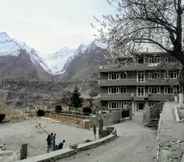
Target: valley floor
(134, 144)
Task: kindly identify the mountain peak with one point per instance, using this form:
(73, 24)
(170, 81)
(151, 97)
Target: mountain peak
(4, 37)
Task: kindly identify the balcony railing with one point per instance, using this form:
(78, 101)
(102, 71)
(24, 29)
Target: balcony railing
(139, 67)
(134, 82)
(128, 96)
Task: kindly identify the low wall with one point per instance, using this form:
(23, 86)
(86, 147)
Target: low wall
(60, 154)
(71, 119)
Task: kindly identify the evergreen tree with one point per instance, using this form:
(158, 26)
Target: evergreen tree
(76, 99)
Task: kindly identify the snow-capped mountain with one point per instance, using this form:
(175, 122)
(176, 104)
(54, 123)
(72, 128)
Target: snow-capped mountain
(84, 65)
(11, 47)
(59, 59)
(17, 60)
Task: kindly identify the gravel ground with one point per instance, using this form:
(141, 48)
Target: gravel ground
(134, 144)
(15, 134)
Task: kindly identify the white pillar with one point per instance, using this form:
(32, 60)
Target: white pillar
(181, 98)
(176, 98)
(133, 107)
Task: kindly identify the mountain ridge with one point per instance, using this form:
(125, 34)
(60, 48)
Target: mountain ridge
(19, 61)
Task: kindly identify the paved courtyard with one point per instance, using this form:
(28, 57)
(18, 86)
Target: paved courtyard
(15, 134)
(135, 144)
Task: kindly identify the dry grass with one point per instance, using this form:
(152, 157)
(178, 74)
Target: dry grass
(12, 114)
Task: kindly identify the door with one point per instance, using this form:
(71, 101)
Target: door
(140, 106)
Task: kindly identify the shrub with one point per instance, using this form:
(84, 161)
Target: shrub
(58, 109)
(40, 113)
(2, 116)
(87, 111)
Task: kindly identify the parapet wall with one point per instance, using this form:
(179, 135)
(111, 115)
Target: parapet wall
(60, 154)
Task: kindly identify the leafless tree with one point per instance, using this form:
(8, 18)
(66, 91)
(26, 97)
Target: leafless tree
(140, 23)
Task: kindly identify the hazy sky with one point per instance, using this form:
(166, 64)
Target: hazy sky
(48, 25)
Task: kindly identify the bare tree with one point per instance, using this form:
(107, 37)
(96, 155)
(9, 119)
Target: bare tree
(140, 23)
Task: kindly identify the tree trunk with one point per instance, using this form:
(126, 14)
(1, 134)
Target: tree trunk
(181, 79)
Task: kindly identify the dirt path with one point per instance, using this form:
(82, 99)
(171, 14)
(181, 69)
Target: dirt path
(135, 144)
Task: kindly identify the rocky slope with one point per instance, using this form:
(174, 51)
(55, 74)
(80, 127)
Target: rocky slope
(85, 64)
(20, 62)
(82, 69)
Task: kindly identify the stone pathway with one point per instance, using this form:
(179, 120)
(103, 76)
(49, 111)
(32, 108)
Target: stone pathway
(170, 129)
(170, 135)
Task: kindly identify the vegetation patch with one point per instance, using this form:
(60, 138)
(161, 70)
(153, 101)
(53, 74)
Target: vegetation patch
(40, 113)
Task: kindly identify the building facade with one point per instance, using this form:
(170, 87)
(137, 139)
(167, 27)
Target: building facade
(146, 77)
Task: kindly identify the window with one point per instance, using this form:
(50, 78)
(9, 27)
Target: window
(140, 77)
(109, 76)
(172, 59)
(125, 104)
(113, 90)
(140, 91)
(154, 75)
(154, 59)
(168, 90)
(157, 59)
(151, 104)
(173, 74)
(154, 90)
(113, 105)
(166, 59)
(123, 90)
(123, 75)
(113, 76)
(140, 60)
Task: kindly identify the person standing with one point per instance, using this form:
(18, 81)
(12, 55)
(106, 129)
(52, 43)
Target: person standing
(48, 142)
(100, 130)
(54, 141)
(94, 130)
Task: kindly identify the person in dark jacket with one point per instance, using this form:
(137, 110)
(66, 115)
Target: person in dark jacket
(49, 138)
(94, 130)
(60, 146)
(54, 142)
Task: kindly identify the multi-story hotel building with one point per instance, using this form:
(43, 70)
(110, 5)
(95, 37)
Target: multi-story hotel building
(146, 77)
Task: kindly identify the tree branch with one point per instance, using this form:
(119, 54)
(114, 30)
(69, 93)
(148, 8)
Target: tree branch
(149, 40)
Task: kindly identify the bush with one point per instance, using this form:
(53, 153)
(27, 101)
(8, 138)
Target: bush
(58, 109)
(87, 111)
(40, 113)
(2, 116)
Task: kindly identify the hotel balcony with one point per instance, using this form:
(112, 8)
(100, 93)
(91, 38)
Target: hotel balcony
(134, 82)
(139, 67)
(128, 97)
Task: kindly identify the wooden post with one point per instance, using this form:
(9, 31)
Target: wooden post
(23, 151)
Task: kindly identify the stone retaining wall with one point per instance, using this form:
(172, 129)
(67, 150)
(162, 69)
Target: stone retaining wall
(76, 120)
